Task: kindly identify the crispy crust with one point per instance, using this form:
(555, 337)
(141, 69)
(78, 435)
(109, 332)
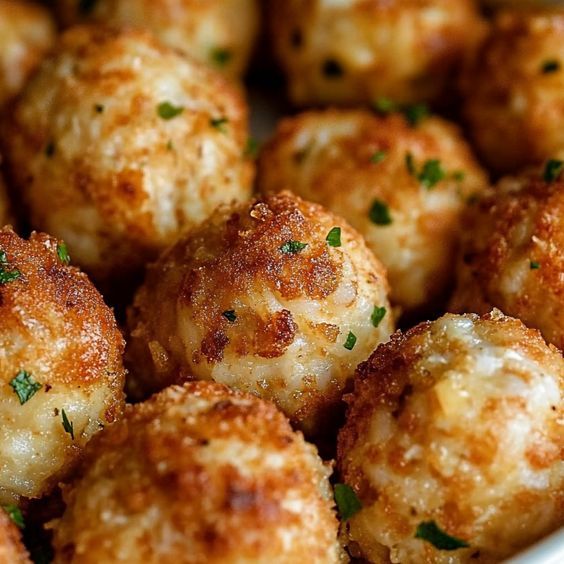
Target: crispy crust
(457, 421)
(508, 233)
(199, 29)
(292, 310)
(359, 50)
(27, 32)
(98, 166)
(325, 156)
(12, 550)
(55, 326)
(205, 474)
(515, 111)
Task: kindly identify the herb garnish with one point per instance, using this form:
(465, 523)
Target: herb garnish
(377, 315)
(293, 247)
(219, 124)
(221, 56)
(378, 157)
(347, 502)
(230, 315)
(67, 425)
(15, 514)
(379, 213)
(534, 265)
(7, 276)
(334, 237)
(25, 386)
(429, 531)
(63, 253)
(552, 170)
(431, 172)
(166, 110)
(350, 342)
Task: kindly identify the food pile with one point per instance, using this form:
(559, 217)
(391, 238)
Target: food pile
(341, 343)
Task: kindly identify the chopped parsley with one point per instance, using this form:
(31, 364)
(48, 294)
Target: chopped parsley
(429, 531)
(67, 425)
(377, 315)
(415, 114)
(219, 124)
(334, 237)
(6, 275)
(230, 315)
(50, 149)
(385, 105)
(549, 66)
(293, 247)
(379, 213)
(431, 172)
(350, 342)
(534, 265)
(378, 157)
(347, 502)
(552, 170)
(15, 514)
(25, 386)
(251, 148)
(166, 110)
(459, 175)
(221, 56)
(63, 253)
(98, 108)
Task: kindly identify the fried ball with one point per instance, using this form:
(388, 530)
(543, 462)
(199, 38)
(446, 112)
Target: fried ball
(512, 254)
(60, 364)
(199, 474)
(456, 428)
(220, 33)
(119, 144)
(27, 32)
(12, 550)
(514, 90)
(407, 207)
(355, 51)
(258, 299)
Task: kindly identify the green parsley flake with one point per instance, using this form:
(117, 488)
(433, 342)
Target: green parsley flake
(534, 265)
(552, 170)
(166, 110)
(431, 172)
(230, 315)
(293, 247)
(378, 157)
(549, 66)
(410, 164)
(350, 342)
(251, 148)
(415, 114)
(15, 514)
(334, 237)
(377, 315)
(219, 124)
(6, 275)
(347, 502)
(220, 56)
(429, 531)
(63, 253)
(385, 105)
(459, 175)
(379, 213)
(67, 425)
(25, 386)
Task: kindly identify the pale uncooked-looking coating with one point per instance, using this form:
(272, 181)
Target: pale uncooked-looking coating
(199, 474)
(239, 300)
(354, 51)
(512, 254)
(348, 160)
(461, 422)
(27, 32)
(119, 144)
(514, 90)
(219, 33)
(56, 332)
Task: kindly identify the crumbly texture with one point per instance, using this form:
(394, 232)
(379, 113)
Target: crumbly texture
(199, 474)
(355, 51)
(329, 157)
(55, 327)
(219, 33)
(512, 254)
(513, 90)
(12, 550)
(100, 166)
(226, 303)
(459, 421)
(27, 32)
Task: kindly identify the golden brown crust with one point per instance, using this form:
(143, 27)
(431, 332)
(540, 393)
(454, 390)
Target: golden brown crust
(219, 33)
(228, 303)
(513, 104)
(359, 50)
(97, 163)
(12, 550)
(457, 421)
(57, 328)
(27, 32)
(205, 475)
(328, 157)
(512, 254)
